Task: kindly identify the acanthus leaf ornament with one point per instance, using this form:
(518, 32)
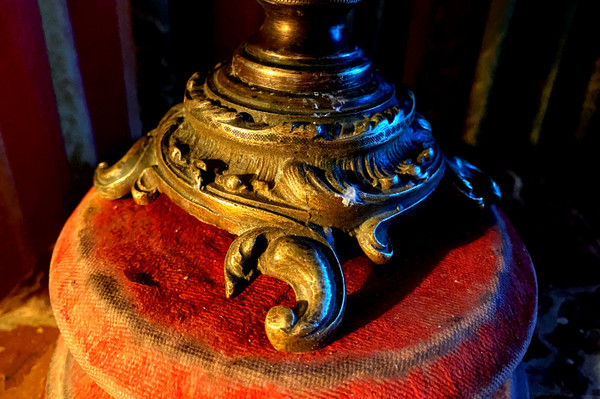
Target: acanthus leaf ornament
(284, 161)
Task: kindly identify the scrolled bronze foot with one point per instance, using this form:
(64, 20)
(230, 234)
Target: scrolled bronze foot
(472, 183)
(135, 172)
(116, 181)
(313, 271)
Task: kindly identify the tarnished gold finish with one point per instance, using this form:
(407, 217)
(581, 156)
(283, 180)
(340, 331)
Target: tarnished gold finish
(295, 138)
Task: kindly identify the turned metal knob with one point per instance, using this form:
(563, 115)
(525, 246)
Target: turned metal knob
(304, 28)
(302, 49)
(301, 62)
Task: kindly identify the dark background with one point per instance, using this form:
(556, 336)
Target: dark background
(512, 85)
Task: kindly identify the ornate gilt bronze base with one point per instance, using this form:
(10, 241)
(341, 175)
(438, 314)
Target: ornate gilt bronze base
(295, 138)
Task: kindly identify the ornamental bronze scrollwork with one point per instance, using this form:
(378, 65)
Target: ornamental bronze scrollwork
(295, 138)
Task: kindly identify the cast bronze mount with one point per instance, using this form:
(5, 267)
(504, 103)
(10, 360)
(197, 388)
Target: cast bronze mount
(295, 138)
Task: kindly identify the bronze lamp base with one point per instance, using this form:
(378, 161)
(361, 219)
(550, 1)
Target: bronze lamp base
(294, 139)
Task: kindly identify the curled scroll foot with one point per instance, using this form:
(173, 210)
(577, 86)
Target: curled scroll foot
(472, 183)
(372, 236)
(130, 174)
(313, 271)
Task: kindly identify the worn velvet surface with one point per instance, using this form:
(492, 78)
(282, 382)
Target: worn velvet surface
(138, 294)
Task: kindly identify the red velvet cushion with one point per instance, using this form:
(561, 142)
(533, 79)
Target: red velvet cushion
(138, 294)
